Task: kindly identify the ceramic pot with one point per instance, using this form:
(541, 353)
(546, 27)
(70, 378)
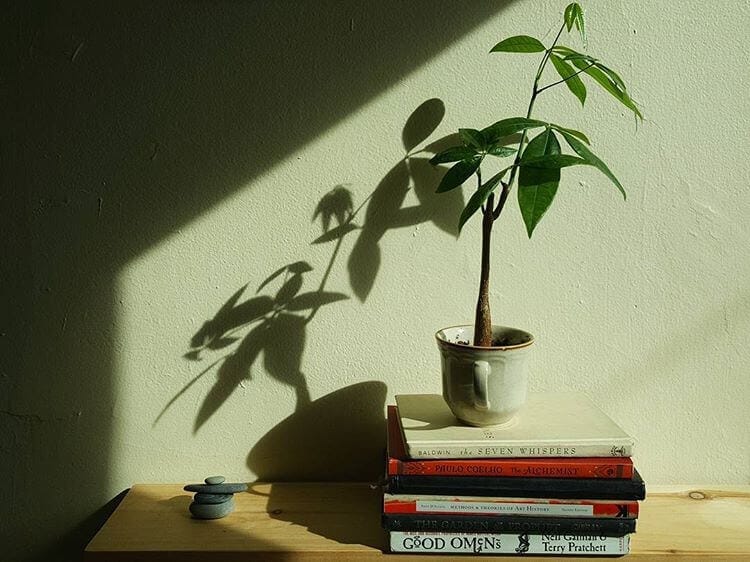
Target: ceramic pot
(484, 386)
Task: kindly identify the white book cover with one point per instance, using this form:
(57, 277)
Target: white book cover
(551, 424)
(481, 543)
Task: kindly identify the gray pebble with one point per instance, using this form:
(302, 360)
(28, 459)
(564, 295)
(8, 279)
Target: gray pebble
(211, 498)
(215, 480)
(216, 488)
(211, 510)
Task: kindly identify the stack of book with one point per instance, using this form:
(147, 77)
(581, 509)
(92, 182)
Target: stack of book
(558, 480)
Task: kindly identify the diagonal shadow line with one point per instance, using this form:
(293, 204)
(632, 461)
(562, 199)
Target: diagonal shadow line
(128, 120)
(161, 149)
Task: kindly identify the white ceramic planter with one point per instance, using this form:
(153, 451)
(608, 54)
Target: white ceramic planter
(484, 385)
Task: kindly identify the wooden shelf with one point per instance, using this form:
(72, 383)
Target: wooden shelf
(324, 522)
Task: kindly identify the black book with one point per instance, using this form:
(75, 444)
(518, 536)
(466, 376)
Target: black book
(515, 487)
(536, 525)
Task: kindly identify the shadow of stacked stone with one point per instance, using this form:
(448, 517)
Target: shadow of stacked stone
(214, 499)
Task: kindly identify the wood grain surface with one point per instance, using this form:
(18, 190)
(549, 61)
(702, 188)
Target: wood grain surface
(324, 522)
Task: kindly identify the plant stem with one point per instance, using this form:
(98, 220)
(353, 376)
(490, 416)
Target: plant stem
(503, 198)
(483, 317)
(534, 93)
(564, 79)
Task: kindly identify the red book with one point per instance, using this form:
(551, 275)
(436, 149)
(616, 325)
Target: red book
(465, 505)
(568, 467)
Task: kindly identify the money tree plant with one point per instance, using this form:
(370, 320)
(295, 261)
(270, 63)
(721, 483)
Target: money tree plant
(537, 162)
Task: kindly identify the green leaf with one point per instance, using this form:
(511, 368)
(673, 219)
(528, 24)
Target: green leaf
(574, 16)
(580, 56)
(453, 154)
(581, 26)
(565, 50)
(519, 44)
(609, 85)
(553, 161)
(571, 54)
(458, 174)
(544, 144)
(568, 74)
(472, 137)
(570, 15)
(479, 197)
(584, 152)
(501, 151)
(537, 186)
(612, 75)
(573, 132)
(505, 127)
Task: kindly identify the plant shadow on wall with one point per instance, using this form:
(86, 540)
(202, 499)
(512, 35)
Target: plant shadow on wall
(302, 446)
(278, 330)
(275, 325)
(386, 210)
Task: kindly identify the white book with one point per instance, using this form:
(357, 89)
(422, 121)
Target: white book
(551, 424)
(481, 543)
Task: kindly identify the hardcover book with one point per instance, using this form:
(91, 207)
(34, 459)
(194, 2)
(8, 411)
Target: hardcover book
(477, 505)
(501, 486)
(462, 543)
(601, 526)
(551, 424)
(550, 467)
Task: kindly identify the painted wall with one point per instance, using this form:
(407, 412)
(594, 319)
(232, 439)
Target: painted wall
(163, 164)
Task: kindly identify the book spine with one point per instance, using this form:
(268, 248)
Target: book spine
(598, 467)
(495, 451)
(462, 543)
(437, 505)
(559, 488)
(509, 524)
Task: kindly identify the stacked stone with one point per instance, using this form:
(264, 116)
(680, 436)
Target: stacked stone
(214, 499)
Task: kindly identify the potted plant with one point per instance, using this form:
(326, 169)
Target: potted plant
(484, 375)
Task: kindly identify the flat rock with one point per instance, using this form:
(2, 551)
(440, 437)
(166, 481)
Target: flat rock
(212, 510)
(211, 498)
(216, 488)
(215, 480)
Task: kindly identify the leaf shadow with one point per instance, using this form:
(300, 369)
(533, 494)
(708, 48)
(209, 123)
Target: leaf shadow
(386, 205)
(274, 326)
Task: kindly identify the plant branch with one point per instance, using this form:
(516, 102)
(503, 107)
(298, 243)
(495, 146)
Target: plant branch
(501, 202)
(548, 86)
(534, 93)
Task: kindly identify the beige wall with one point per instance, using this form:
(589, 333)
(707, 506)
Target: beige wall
(160, 159)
